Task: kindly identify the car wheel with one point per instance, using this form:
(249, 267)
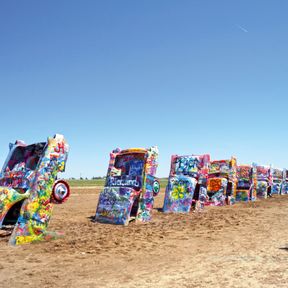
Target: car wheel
(156, 187)
(60, 191)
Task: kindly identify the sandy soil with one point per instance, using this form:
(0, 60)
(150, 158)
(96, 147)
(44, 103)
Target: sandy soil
(236, 246)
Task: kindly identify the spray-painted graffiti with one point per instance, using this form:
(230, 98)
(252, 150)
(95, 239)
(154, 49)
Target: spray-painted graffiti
(262, 189)
(219, 167)
(263, 172)
(244, 183)
(28, 183)
(263, 181)
(215, 184)
(221, 183)
(186, 183)
(216, 190)
(284, 189)
(180, 189)
(244, 172)
(115, 202)
(130, 187)
(200, 204)
(277, 180)
(187, 165)
(125, 181)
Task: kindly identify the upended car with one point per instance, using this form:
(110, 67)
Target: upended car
(284, 189)
(263, 182)
(29, 187)
(277, 180)
(130, 187)
(244, 183)
(187, 183)
(221, 183)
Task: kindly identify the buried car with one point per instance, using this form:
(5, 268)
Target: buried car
(263, 182)
(130, 187)
(221, 183)
(244, 182)
(284, 189)
(277, 180)
(29, 187)
(186, 183)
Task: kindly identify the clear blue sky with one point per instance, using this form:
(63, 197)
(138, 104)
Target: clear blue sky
(193, 76)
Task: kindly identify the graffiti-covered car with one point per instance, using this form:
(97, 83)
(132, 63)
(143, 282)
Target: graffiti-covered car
(130, 187)
(284, 189)
(263, 182)
(277, 180)
(221, 183)
(29, 187)
(244, 182)
(186, 183)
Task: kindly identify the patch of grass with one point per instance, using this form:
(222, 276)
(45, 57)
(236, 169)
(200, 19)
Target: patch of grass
(163, 182)
(86, 183)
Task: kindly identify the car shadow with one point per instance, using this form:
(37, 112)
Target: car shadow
(92, 218)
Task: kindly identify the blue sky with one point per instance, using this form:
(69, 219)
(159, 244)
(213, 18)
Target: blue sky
(191, 77)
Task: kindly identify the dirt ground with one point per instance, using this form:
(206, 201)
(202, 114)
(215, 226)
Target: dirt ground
(238, 246)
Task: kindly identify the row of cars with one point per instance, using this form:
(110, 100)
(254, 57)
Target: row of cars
(194, 182)
(29, 186)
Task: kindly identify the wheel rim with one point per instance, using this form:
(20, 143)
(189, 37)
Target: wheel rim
(61, 191)
(156, 187)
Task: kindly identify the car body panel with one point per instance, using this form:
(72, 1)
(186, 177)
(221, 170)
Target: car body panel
(8, 198)
(185, 173)
(262, 181)
(222, 182)
(129, 189)
(115, 204)
(216, 191)
(284, 189)
(277, 180)
(30, 175)
(244, 182)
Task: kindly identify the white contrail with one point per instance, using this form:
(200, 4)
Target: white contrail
(242, 28)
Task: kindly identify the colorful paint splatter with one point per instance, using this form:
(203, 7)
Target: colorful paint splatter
(186, 183)
(284, 189)
(130, 187)
(27, 193)
(277, 180)
(262, 181)
(244, 183)
(222, 181)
